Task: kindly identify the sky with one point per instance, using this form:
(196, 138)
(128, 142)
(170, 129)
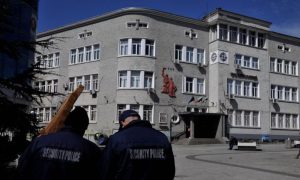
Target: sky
(283, 14)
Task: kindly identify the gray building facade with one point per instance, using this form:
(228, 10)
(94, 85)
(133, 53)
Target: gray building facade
(166, 66)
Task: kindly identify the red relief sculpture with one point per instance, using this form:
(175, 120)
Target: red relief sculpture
(168, 84)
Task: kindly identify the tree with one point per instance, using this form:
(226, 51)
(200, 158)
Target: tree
(17, 70)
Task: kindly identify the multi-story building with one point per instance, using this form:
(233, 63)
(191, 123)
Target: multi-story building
(225, 73)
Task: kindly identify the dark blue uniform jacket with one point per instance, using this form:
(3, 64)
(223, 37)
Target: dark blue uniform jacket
(138, 152)
(63, 155)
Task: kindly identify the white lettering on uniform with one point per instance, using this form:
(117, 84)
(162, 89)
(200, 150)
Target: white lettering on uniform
(61, 154)
(147, 153)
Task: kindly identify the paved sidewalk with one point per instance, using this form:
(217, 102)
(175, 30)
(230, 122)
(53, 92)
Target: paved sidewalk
(210, 162)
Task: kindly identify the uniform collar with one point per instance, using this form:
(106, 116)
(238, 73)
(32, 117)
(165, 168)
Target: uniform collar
(138, 123)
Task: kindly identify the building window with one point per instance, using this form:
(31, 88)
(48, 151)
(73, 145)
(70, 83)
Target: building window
(138, 79)
(147, 113)
(238, 88)
(193, 85)
(279, 65)
(47, 115)
(273, 120)
(246, 61)
(284, 93)
(246, 88)
(223, 32)
(56, 61)
(124, 47)
(295, 121)
(254, 63)
(233, 34)
(243, 36)
(214, 33)
(93, 113)
(55, 86)
(189, 54)
(255, 119)
(50, 61)
(96, 51)
(294, 68)
(238, 59)
(247, 118)
(84, 35)
(200, 86)
(189, 85)
(238, 118)
(88, 53)
(71, 84)
(87, 82)
(284, 121)
(287, 93)
(149, 48)
(43, 87)
(280, 92)
(295, 94)
(230, 86)
(78, 81)
(286, 67)
(255, 89)
(287, 121)
(280, 121)
(73, 56)
(95, 82)
(123, 79)
(243, 88)
(120, 108)
(283, 66)
(135, 79)
(200, 56)
(272, 65)
(136, 47)
(252, 38)
(80, 55)
(148, 79)
(178, 52)
(261, 40)
(49, 85)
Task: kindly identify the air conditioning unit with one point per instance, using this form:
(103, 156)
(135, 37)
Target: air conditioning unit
(237, 66)
(231, 96)
(150, 90)
(274, 100)
(93, 92)
(66, 86)
(176, 61)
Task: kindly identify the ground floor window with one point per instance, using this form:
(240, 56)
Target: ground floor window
(284, 121)
(241, 118)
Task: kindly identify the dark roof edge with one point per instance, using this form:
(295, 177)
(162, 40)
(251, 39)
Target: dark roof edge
(222, 10)
(120, 12)
(285, 36)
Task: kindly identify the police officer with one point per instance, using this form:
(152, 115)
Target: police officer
(62, 155)
(137, 152)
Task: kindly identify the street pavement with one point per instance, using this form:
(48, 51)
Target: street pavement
(216, 162)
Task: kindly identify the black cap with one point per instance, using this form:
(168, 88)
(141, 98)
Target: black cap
(128, 113)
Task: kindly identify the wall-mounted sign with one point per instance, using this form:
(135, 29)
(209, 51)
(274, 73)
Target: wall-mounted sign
(219, 56)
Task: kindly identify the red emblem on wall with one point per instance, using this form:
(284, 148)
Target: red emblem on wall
(168, 84)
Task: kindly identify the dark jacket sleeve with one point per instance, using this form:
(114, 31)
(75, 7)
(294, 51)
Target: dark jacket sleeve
(170, 163)
(107, 162)
(24, 164)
